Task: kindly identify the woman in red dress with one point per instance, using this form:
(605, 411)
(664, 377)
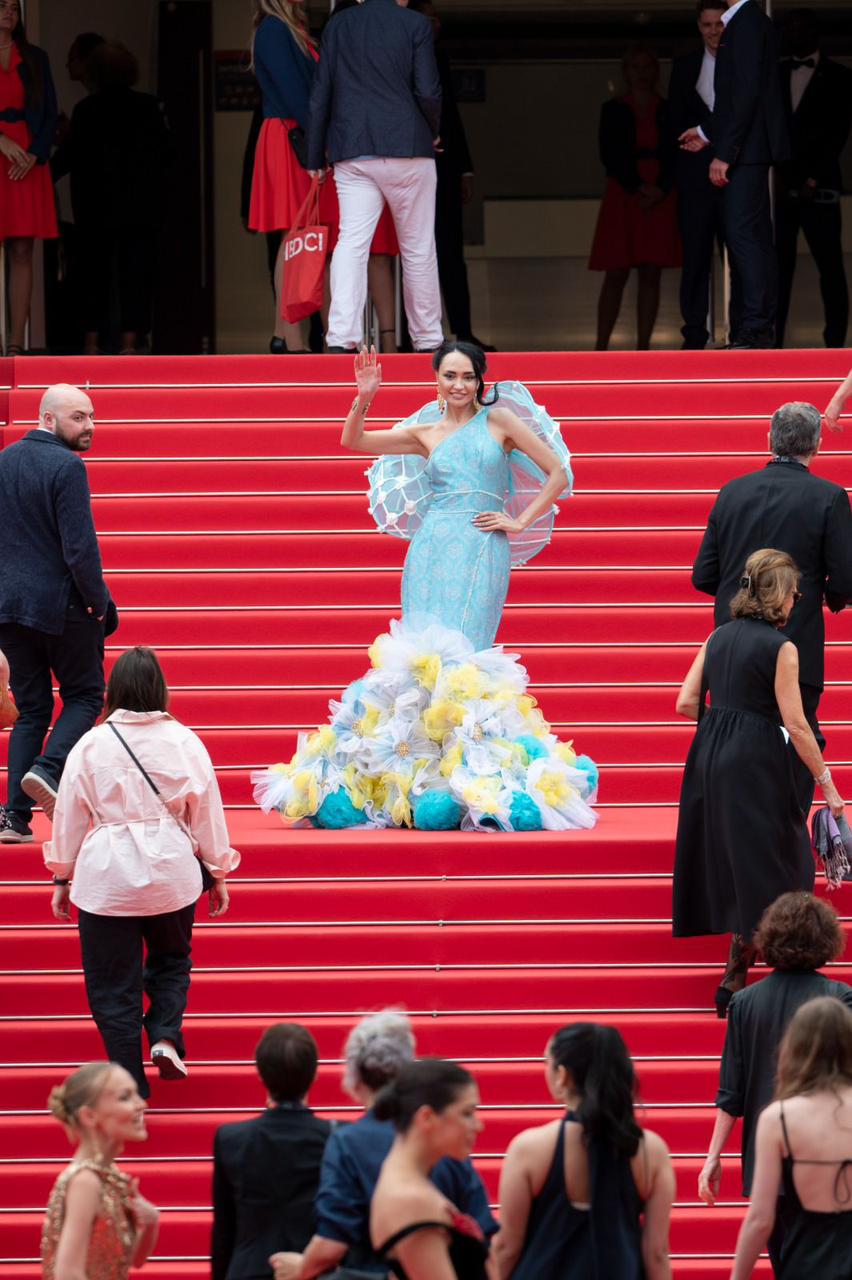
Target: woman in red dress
(27, 125)
(637, 223)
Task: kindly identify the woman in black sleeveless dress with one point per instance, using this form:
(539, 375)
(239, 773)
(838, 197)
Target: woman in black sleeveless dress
(413, 1227)
(590, 1194)
(742, 839)
(804, 1150)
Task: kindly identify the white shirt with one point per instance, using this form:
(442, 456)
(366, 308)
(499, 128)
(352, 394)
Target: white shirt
(734, 8)
(127, 855)
(800, 78)
(704, 84)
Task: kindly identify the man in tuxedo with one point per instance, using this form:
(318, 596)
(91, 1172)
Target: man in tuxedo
(266, 1170)
(375, 115)
(786, 507)
(748, 133)
(691, 98)
(818, 97)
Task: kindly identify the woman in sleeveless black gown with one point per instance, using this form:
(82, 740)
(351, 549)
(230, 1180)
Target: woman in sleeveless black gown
(620, 1229)
(809, 1129)
(414, 1228)
(742, 839)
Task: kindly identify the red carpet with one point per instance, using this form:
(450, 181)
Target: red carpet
(236, 539)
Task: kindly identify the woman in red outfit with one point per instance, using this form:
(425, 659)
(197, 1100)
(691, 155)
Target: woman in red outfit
(27, 125)
(637, 223)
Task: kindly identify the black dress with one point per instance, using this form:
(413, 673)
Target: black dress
(741, 836)
(468, 1247)
(567, 1243)
(817, 1246)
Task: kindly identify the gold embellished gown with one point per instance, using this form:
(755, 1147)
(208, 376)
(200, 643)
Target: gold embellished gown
(113, 1231)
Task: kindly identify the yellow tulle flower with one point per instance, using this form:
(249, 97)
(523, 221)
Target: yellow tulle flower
(304, 798)
(482, 794)
(358, 787)
(426, 668)
(452, 760)
(396, 788)
(555, 789)
(322, 741)
(442, 716)
(527, 704)
(369, 721)
(375, 650)
(565, 752)
(281, 768)
(465, 682)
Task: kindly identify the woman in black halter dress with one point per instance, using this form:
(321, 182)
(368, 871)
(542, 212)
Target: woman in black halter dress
(742, 839)
(803, 1174)
(413, 1227)
(590, 1194)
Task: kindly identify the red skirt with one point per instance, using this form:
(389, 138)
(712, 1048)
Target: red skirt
(628, 236)
(280, 185)
(27, 207)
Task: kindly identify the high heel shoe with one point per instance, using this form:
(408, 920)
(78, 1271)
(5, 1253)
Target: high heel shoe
(722, 999)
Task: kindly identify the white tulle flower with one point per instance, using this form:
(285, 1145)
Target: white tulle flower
(487, 799)
(556, 787)
(399, 746)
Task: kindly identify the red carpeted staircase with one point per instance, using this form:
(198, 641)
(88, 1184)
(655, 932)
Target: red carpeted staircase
(236, 540)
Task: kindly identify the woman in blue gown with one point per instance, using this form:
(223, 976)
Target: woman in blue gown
(441, 733)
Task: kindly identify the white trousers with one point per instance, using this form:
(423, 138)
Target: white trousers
(409, 188)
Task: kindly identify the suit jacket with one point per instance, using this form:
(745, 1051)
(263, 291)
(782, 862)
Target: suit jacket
(786, 507)
(749, 124)
(48, 545)
(265, 1178)
(686, 109)
(819, 126)
(377, 90)
(617, 140)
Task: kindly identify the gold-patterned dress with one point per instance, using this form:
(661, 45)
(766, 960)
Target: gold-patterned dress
(113, 1231)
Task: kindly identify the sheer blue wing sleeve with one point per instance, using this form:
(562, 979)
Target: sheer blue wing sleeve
(527, 479)
(400, 487)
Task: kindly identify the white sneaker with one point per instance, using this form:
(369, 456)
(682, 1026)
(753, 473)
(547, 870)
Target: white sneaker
(167, 1060)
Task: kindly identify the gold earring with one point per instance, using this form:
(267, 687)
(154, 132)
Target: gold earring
(442, 404)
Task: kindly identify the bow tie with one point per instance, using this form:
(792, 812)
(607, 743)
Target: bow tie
(795, 63)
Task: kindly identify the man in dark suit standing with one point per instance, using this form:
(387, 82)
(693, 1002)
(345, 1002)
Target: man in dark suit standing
(55, 607)
(266, 1170)
(375, 115)
(691, 99)
(818, 97)
(786, 507)
(748, 133)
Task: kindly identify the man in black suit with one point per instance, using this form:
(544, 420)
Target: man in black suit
(818, 97)
(691, 99)
(266, 1170)
(375, 115)
(55, 607)
(748, 133)
(786, 507)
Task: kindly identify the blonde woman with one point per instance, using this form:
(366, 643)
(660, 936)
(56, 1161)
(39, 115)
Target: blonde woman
(97, 1224)
(742, 839)
(803, 1173)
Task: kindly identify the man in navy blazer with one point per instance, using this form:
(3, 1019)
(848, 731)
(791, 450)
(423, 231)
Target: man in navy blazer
(375, 115)
(748, 133)
(54, 604)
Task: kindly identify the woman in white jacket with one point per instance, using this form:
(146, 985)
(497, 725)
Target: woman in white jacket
(138, 822)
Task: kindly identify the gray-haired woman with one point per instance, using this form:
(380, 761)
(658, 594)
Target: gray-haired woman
(375, 1052)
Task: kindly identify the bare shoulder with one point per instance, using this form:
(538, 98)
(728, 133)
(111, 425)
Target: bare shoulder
(656, 1148)
(533, 1142)
(83, 1189)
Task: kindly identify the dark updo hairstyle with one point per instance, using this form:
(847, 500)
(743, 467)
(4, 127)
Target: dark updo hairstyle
(603, 1075)
(137, 683)
(428, 1082)
(476, 356)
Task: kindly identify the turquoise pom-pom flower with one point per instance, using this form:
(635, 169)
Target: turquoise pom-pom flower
(337, 812)
(524, 813)
(533, 747)
(437, 811)
(587, 766)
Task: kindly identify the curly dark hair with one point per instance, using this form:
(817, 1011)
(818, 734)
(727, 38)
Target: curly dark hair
(799, 931)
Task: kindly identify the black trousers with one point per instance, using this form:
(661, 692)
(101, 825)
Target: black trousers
(822, 228)
(116, 979)
(803, 777)
(748, 235)
(701, 228)
(118, 265)
(76, 658)
(449, 244)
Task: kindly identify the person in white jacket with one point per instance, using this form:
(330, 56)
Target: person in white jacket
(138, 828)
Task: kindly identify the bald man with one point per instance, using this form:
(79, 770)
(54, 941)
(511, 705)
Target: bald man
(55, 607)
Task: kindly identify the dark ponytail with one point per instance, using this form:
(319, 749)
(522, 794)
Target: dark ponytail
(476, 356)
(603, 1075)
(428, 1082)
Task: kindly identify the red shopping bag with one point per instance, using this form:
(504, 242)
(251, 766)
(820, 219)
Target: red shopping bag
(305, 254)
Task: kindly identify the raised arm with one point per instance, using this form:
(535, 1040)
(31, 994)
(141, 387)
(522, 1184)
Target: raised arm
(789, 699)
(515, 434)
(368, 379)
(836, 403)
